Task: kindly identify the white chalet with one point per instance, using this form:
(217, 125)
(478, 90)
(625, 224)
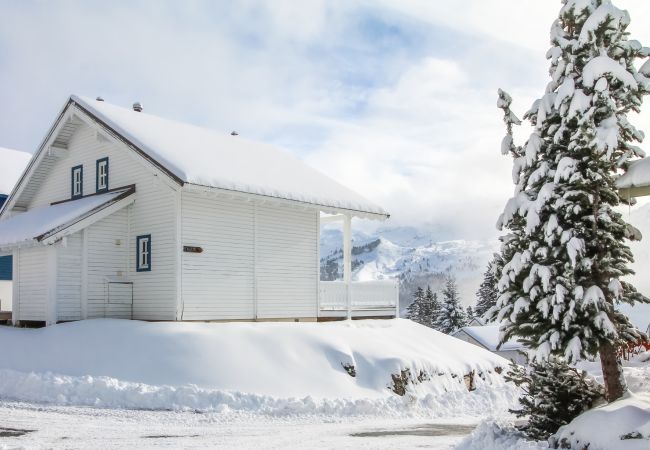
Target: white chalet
(124, 214)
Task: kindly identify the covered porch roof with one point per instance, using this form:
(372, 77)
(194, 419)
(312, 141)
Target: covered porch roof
(636, 181)
(47, 224)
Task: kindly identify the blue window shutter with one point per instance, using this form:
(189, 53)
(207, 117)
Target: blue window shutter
(142, 248)
(97, 164)
(6, 262)
(6, 268)
(81, 179)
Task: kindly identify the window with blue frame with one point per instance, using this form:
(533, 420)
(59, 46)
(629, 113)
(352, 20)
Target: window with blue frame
(143, 246)
(77, 182)
(101, 175)
(6, 262)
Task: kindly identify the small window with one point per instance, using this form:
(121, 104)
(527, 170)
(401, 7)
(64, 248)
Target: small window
(77, 189)
(101, 182)
(143, 263)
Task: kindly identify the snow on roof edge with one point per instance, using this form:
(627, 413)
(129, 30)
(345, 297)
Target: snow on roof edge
(367, 208)
(637, 175)
(39, 224)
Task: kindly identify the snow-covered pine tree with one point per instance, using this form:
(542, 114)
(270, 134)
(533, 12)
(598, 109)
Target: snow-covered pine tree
(487, 292)
(432, 307)
(414, 311)
(470, 313)
(554, 394)
(451, 316)
(566, 253)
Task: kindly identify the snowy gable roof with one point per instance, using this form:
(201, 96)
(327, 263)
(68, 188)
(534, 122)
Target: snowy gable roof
(12, 165)
(637, 175)
(39, 224)
(488, 337)
(205, 157)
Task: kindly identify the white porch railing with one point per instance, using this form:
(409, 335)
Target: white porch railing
(364, 295)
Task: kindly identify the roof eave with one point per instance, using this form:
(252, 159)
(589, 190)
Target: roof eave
(322, 207)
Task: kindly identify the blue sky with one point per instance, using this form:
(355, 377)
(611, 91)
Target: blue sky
(394, 98)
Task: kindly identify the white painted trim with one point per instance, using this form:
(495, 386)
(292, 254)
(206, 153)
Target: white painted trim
(15, 297)
(318, 222)
(331, 218)
(347, 262)
(189, 187)
(179, 255)
(50, 314)
(84, 274)
(255, 263)
(36, 160)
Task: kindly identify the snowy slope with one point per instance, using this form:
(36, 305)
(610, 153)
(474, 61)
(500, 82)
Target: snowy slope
(410, 254)
(249, 366)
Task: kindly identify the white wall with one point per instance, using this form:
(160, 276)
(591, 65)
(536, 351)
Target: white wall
(33, 280)
(68, 286)
(5, 295)
(257, 261)
(153, 212)
(107, 256)
(286, 258)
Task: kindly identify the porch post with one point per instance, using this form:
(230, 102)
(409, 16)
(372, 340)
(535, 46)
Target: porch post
(347, 261)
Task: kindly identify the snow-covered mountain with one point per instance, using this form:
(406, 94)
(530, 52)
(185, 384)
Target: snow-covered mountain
(411, 255)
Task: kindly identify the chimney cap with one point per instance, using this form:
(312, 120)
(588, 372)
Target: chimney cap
(234, 133)
(137, 106)
(100, 99)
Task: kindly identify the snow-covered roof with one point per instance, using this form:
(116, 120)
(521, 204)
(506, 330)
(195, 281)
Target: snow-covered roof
(206, 157)
(40, 223)
(12, 165)
(637, 175)
(488, 337)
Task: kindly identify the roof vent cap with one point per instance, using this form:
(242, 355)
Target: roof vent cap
(99, 99)
(234, 133)
(137, 106)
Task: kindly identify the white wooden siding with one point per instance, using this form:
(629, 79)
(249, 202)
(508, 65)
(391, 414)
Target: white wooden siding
(257, 261)
(107, 258)
(218, 283)
(33, 283)
(68, 286)
(286, 242)
(154, 212)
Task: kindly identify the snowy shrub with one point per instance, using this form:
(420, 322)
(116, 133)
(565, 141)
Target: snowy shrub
(554, 394)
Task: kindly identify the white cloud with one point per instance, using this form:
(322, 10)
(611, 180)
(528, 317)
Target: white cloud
(395, 98)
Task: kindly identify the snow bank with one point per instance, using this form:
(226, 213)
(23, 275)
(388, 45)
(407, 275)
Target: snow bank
(491, 435)
(281, 367)
(622, 425)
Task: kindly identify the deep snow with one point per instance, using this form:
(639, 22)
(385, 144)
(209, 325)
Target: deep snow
(271, 368)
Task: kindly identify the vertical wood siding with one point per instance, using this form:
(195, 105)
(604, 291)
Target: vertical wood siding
(153, 212)
(68, 286)
(218, 283)
(250, 252)
(287, 272)
(33, 283)
(107, 257)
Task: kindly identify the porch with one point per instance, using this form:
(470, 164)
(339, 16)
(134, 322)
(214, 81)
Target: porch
(349, 299)
(337, 299)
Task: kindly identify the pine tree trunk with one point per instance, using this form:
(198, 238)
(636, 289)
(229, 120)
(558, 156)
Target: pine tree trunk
(613, 378)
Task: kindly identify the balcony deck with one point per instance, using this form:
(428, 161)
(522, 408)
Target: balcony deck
(367, 299)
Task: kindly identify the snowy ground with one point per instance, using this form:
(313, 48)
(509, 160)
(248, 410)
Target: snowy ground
(73, 427)
(129, 384)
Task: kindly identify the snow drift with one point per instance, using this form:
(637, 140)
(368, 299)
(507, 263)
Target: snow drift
(268, 367)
